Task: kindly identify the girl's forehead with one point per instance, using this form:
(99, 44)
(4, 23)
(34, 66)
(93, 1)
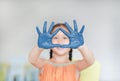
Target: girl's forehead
(55, 28)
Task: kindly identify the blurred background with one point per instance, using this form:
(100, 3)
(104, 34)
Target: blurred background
(18, 19)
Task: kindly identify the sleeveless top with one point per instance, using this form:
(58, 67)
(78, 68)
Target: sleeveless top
(59, 72)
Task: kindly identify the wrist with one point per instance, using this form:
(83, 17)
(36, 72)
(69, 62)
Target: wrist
(81, 47)
(40, 49)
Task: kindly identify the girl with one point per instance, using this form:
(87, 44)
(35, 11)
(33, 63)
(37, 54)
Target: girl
(60, 39)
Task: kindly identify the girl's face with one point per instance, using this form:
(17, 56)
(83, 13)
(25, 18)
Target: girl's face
(62, 39)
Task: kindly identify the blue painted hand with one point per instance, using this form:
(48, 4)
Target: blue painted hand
(75, 37)
(44, 39)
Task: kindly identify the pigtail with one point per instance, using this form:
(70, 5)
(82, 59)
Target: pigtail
(51, 53)
(70, 55)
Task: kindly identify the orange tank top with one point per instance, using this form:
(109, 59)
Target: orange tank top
(59, 72)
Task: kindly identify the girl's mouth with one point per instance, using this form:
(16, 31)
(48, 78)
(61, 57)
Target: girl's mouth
(59, 48)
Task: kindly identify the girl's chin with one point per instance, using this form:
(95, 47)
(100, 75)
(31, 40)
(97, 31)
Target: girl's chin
(61, 53)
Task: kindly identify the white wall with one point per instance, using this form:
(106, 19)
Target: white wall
(19, 18)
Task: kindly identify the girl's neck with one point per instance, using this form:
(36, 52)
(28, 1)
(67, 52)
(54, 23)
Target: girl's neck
(60, 59)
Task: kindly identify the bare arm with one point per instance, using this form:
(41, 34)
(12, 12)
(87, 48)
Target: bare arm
(88, 58)
(34, 57)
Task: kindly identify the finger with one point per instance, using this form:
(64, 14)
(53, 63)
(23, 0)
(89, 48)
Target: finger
(82, 29)
(68, 27)
(65, 46)
(51, 27)
(75, 26)
(66, 33)
(45, 27)
(38, 31)
(55, 32)
(55, 45)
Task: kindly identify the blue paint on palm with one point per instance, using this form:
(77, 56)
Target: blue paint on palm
(44, 39)
(75, 37)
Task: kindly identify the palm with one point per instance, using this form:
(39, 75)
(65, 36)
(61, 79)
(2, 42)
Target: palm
(75, 37)
(44, 39)
(77, 40)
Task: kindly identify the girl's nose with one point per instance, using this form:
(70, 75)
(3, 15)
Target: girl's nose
(60, 41)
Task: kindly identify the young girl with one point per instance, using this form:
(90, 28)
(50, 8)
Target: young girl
(60, 39)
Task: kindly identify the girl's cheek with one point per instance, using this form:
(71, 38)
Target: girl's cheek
(66, 41)
(54, 41)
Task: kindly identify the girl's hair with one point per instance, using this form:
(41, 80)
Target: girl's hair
(70, 52)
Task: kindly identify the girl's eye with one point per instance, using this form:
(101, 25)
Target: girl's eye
(65, 38)
(55, 37)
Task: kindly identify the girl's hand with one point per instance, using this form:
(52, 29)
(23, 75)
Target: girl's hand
(75, 37)
(44, 39)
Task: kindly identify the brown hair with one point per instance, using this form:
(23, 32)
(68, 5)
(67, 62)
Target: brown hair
(57, 26)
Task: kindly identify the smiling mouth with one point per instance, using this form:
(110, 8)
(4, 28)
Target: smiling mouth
(59, 48)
